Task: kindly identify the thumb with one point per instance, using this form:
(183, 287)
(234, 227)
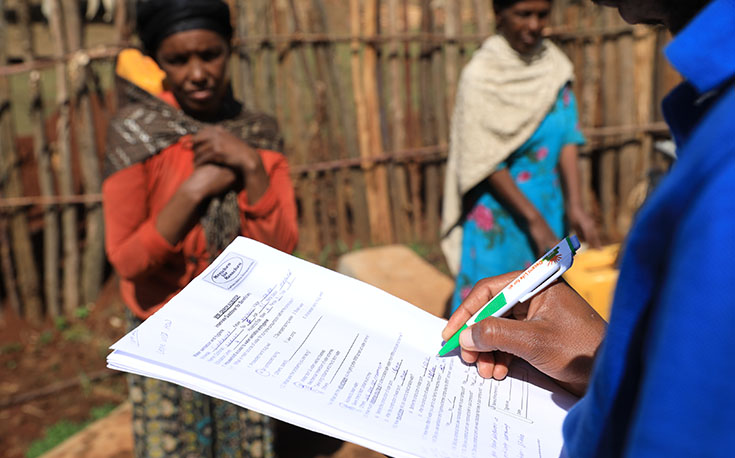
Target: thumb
(501, 334)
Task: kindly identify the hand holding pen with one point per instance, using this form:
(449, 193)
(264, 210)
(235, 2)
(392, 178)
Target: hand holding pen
(556, 331)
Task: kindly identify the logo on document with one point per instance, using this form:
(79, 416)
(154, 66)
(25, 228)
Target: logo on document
(231, 271)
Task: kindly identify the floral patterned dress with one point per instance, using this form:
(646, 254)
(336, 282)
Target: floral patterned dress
(494, 242)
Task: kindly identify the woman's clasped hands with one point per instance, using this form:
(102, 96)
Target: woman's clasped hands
(220, 159)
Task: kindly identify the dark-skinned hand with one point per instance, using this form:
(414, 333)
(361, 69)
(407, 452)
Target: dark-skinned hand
(209, 180)
(216, 145)
(542, 235)
(582, 224)
(556, 331)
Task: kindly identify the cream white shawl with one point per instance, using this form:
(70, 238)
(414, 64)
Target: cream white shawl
(501, 100)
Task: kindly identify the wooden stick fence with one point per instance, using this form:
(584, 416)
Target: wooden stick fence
(363, 91)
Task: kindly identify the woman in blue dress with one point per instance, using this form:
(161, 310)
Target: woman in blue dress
(512, 188)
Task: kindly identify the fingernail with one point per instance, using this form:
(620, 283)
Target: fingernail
(465, 338)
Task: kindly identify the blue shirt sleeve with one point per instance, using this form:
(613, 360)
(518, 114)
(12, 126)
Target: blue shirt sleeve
(686, 388)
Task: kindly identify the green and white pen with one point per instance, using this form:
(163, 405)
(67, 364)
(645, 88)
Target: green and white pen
(531, 281)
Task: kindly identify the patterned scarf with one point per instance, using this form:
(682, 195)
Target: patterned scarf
(145, 125)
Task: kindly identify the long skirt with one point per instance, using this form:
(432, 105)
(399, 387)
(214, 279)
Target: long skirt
(173, 421)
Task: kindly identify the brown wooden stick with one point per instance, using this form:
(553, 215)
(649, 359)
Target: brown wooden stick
(377, 179)
(56, 387)
(377, 211)
(8, 203)
(82, 122)
(269, 41)
(41, 152)
(399, 188)
(608, 162)
(44, 63)
(440, 118)
(69, 228)
(245, 61)
(629, 158)
(320, 136)
(12, 186)
(558, 33)
(6, 262)
(412, 127)
(331, 110)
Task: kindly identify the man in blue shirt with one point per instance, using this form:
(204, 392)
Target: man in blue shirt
(660, 380)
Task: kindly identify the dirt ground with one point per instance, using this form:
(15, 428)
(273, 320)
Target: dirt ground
(52, 373)
(59, 368)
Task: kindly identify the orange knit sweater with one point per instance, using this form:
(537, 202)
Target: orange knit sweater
(152, 270)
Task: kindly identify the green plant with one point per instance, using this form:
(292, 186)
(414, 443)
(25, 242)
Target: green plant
(62, 430)
(342, 247)
(82, 312)
(85, 383)
(101, 411)
(324, 255)
(420, 249)
(77, 333)
(45, 338)
(53, 436)
(60, 323)
(12, 347)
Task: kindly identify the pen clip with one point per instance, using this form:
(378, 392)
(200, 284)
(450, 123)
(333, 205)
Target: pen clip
(564, 265)
(543, 285)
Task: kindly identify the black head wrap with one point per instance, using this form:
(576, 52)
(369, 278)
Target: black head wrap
(157, 19)
(500, 5)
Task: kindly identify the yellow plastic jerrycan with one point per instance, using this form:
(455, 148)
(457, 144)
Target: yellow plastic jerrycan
(593, 275)
(141, 70)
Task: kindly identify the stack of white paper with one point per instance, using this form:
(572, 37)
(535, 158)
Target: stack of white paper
(309, 346)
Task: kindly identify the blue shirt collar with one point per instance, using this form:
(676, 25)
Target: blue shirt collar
(704, 52)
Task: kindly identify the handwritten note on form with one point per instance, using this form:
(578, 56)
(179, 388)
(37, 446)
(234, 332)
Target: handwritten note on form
(309, 346)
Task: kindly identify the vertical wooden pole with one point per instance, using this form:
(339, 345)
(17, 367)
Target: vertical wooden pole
(571, 20)
(666, 76)
(629, 166)
(608, 160)
(25, 266)
(483, 17)
(589, 83)
(428, 111)
(6, 263)
(123, 23)
(328, 216)
(262, 21)
(351, 182)
(440, 103)
(7, 154)
(245, 57)
(645, 58)
(399, 189)
(451, 49)
(366, 103)
(79, 72)
(69, 228)
(309, 241)
(329, 109)
(412, 128)
(51, 283)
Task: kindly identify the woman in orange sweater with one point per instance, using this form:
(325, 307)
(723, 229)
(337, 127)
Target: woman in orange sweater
(188, 170)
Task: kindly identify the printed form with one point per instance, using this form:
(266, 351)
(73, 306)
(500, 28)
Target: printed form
(312, 347)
